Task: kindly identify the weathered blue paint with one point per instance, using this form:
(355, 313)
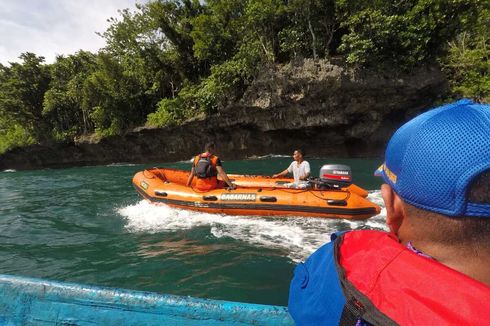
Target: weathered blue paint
(29, 301)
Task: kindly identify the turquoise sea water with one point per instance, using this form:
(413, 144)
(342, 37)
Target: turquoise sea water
(88, 225)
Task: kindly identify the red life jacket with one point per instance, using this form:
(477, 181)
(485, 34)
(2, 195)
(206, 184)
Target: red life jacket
(205, 168)
(384, 282)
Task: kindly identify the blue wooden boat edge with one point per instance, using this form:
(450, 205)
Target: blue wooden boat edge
(26, 301)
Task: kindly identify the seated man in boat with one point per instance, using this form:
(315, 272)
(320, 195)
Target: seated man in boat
(206, 167)
(299, 168)
(432, 268)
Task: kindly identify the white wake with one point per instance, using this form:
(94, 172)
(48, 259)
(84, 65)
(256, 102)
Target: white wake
(297, 237)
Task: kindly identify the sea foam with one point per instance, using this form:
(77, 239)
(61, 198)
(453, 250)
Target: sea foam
(297, 237)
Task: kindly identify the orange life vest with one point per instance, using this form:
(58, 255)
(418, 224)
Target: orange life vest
(368, 276)
(406, 287)
(206, 173)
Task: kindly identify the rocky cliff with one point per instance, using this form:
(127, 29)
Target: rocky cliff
(318, 106)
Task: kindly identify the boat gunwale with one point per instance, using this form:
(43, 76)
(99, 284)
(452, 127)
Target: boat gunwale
(266, 207)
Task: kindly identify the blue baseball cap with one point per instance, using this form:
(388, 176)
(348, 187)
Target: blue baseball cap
(431, 160)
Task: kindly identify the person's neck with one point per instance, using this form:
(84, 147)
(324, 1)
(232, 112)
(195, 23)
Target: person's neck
(466, 261)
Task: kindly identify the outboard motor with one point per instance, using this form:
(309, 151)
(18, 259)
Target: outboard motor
(333, 176)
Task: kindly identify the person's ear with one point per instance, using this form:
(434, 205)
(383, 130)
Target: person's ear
(394, 208)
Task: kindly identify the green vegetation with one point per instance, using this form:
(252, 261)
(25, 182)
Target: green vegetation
(468, 61)
(170, 60)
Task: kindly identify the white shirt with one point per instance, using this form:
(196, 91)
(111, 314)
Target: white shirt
(299, 170)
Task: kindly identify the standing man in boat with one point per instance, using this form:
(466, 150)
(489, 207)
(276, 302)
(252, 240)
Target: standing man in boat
(432, 268)
(206, 167)
(299, 168)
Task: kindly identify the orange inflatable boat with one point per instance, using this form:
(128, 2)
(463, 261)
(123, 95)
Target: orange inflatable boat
(254, 195)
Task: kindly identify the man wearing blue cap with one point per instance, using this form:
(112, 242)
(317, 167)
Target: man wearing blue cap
(433, 267)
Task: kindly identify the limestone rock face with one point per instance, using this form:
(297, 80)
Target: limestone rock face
(318, 106)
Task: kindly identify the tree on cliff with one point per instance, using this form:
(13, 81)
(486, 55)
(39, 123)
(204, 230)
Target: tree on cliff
(22, 89)
(468, 62)
(65, 106)
(172, 60)
(404, 33)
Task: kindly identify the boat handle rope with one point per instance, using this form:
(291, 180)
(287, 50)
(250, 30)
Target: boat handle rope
(161, 174)
(151, 174)
(321, 197)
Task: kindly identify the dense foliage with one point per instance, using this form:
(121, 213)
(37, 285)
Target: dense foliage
(172, 60)
(468, 61)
